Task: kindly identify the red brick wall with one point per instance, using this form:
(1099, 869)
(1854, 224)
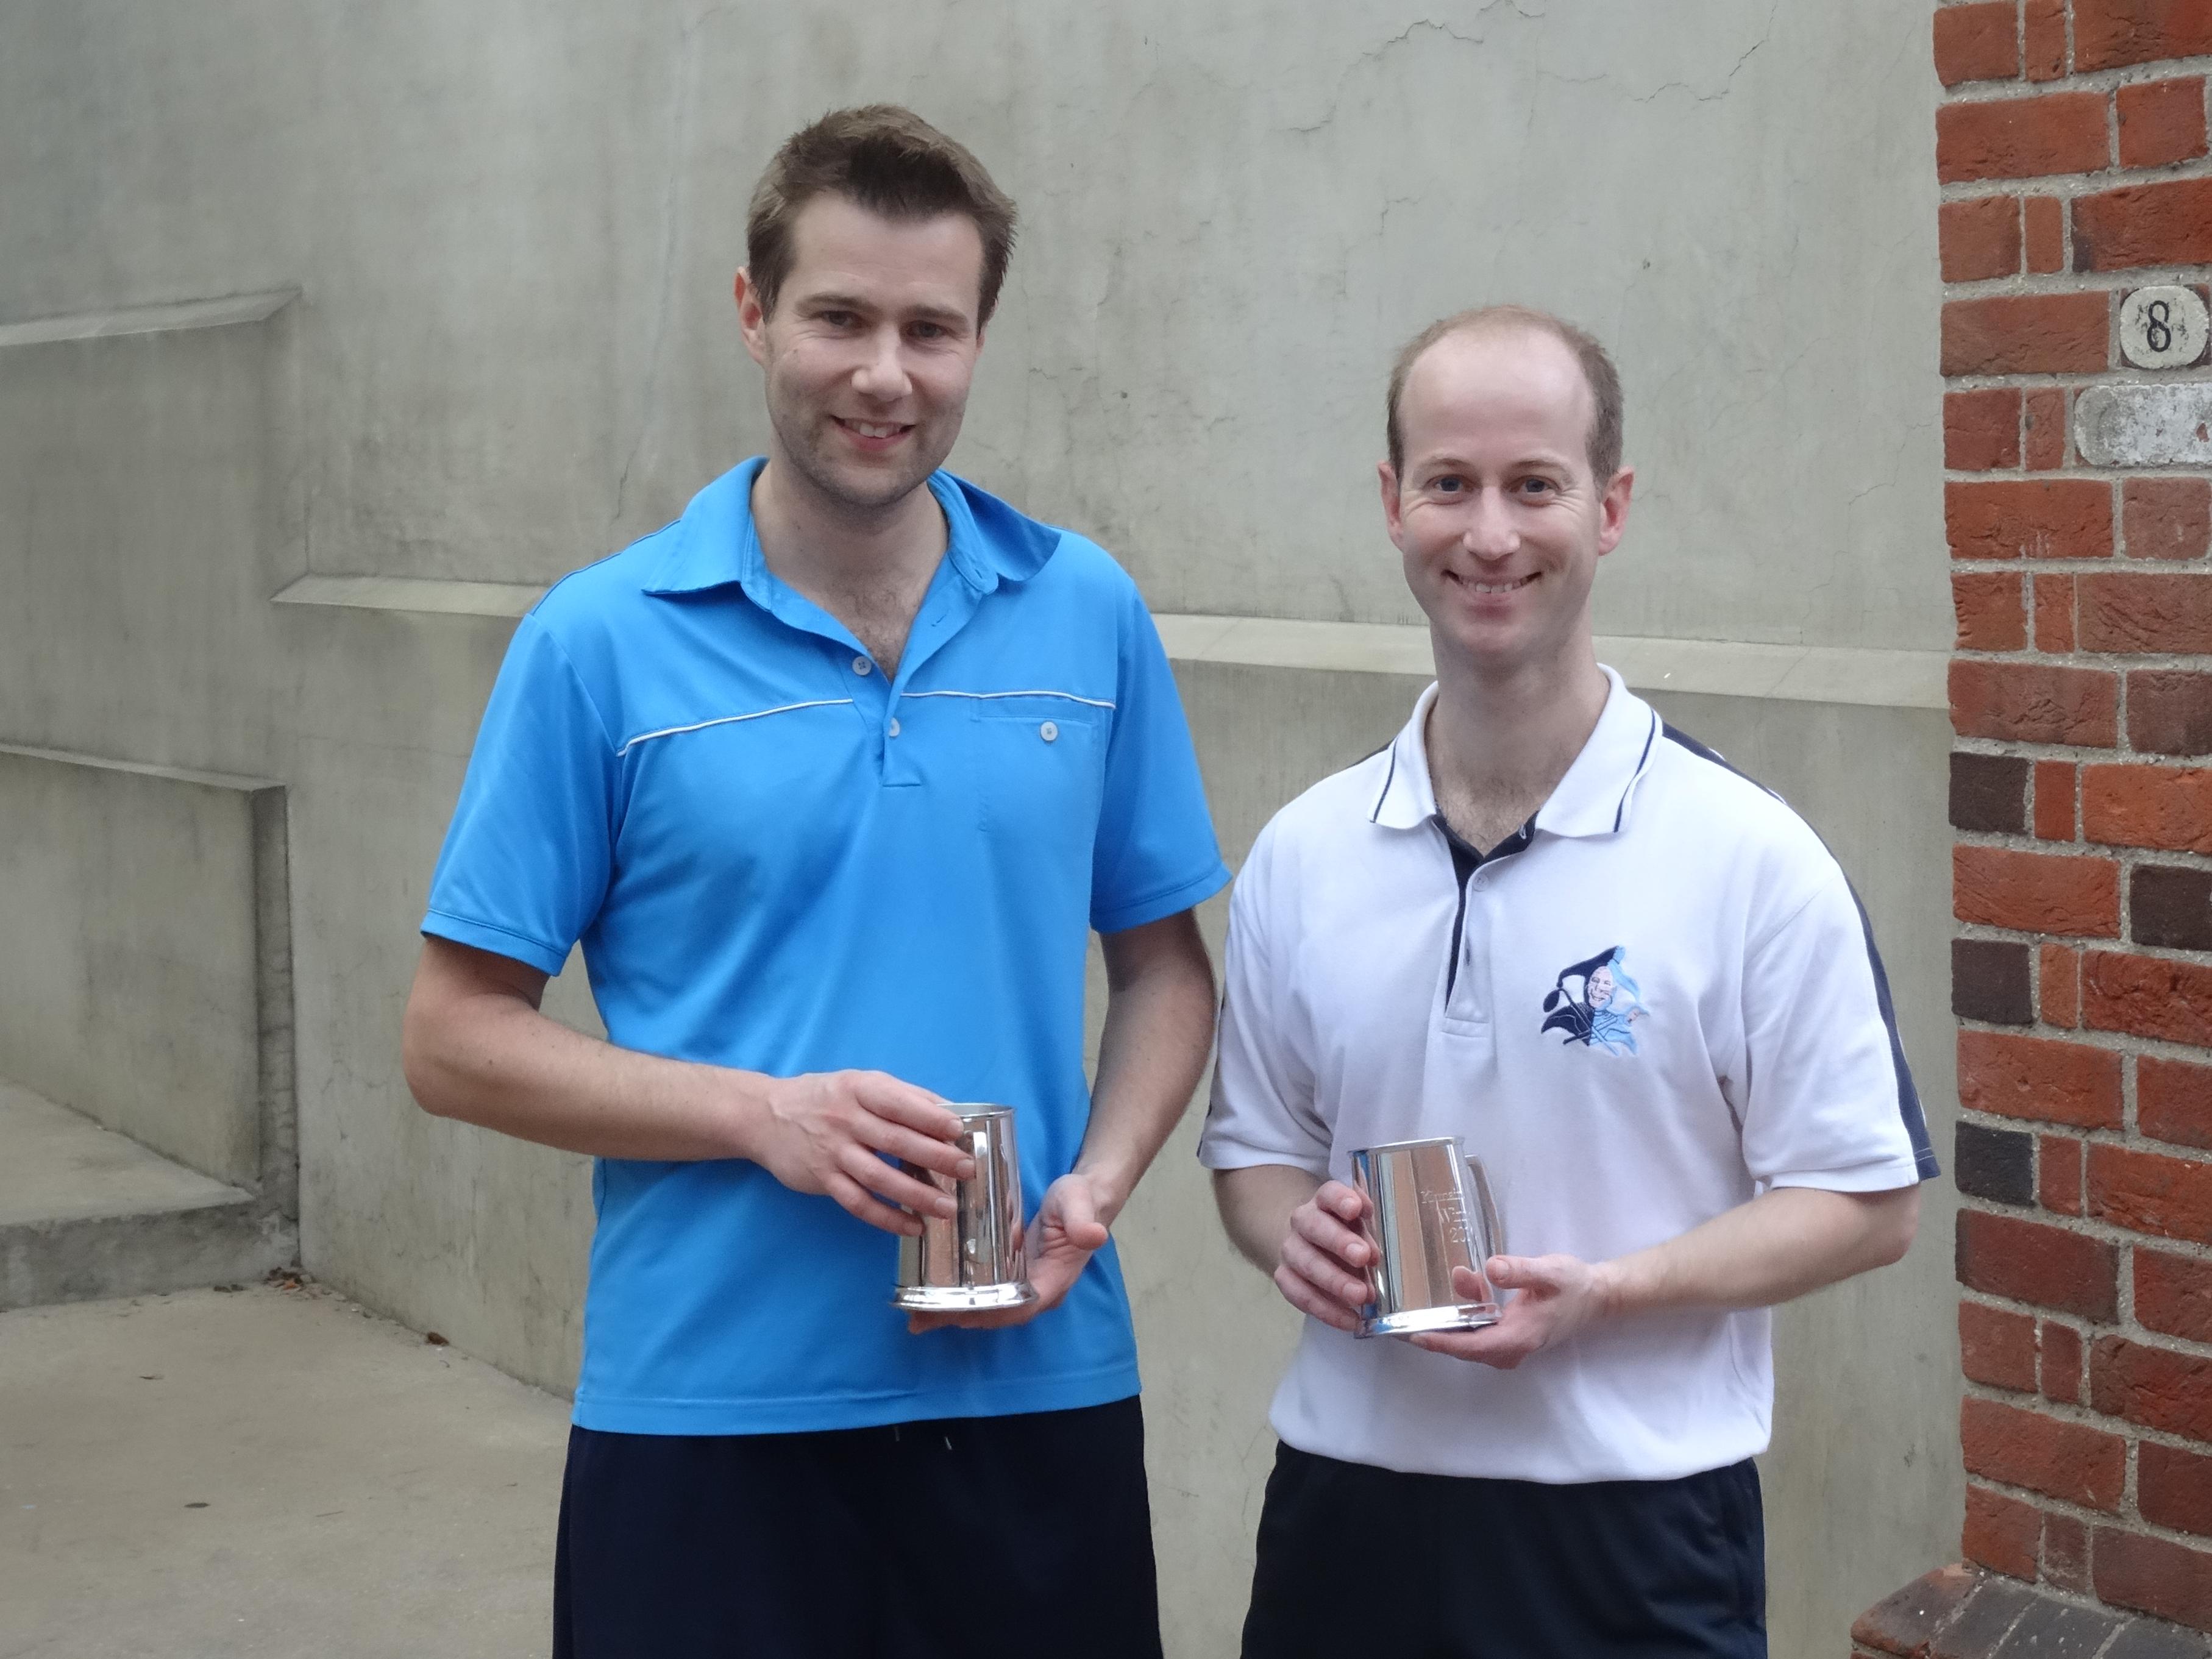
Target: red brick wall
(2071, 149)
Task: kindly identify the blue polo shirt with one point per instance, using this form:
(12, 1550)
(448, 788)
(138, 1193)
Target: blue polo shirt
(774, 859)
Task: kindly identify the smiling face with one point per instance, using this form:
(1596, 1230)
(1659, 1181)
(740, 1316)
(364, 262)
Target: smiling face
(869, 350)
(1496, 514)
(1601, 987)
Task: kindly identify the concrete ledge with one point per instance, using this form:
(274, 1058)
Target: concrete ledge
(418, 594)
(86, 1258)
(1727, 668)
(226, 312)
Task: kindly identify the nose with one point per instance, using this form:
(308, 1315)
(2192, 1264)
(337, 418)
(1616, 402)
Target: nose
(1491, 532)
(882, 372)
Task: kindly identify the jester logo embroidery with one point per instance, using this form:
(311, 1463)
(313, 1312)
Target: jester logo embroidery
(1595, 1003)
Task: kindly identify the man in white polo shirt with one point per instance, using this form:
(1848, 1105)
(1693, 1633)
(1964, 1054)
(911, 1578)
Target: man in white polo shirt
(1630, 980)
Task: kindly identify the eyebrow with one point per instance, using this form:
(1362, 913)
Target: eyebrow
(855, 302)
(1553, 462)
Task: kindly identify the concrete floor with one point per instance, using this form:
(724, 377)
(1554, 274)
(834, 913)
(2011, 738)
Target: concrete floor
(269, 1470)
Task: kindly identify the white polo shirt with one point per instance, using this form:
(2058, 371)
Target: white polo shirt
(1656, 1001)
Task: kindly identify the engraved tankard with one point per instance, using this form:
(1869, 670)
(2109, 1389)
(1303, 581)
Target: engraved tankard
(1429, 1209)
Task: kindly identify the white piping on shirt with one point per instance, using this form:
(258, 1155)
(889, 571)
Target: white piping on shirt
(1095, 703)
(730, 720)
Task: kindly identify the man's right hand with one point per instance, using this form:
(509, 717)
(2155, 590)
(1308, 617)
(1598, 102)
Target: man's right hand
(823, 1133)
(1322, 1269)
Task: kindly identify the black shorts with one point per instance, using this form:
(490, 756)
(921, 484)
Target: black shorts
(972, 1537)
(1354, 1560)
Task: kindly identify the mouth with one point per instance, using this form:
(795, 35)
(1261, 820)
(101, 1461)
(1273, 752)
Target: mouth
(1488, 588)
(873, 435)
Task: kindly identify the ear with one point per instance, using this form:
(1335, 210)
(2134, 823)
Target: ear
(752, 320)
(1393, 520)
(1612, 510)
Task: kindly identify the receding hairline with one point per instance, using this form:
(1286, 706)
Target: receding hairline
(1594, 366)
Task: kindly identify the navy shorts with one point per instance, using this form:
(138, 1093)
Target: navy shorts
(1354, 1560)
(962, 1538)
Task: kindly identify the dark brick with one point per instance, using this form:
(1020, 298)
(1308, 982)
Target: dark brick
(1998, 1164)
(2169, 712)
(1989, 792)
(1990, 981)
(2169, 905)
(2050, 1629)
(1974, 1634)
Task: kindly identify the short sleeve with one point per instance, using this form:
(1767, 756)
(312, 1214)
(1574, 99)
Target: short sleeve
(1262, 1106)
(526, 858)
(1831, 1102)
(1154, 853)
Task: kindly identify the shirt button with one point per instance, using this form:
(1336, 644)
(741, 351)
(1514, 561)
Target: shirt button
(861, 664)
(893, 728)
(1048, 732)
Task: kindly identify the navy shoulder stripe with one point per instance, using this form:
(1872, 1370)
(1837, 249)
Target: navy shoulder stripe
(1675, 735)
(1908, 1096)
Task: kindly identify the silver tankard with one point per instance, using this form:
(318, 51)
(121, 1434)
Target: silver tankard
(1429, 1211)
(976, 1258)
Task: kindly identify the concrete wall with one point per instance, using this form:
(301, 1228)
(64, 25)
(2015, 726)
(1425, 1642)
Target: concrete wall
(512, 234)
(515, 226)
(132, 990)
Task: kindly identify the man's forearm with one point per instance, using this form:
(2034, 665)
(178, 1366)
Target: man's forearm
(476, 1048)
(1779, 1246)
(1255, 1204)
(1160, 1025)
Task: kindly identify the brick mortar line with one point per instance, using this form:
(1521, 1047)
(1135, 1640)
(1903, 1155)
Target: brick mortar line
(2071, 380)
(2075, 183)
(2114, 665)
(2106, 660)
(2026, 842)
(2095, 1135)
(2081, 472)
(2089, 754)
(2012, 88)
(2121, 279)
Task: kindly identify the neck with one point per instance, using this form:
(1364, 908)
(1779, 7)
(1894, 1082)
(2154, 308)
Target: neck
(1512, 731)
(810, 539)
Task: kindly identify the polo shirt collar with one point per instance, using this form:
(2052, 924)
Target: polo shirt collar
(1591, 800)
(715, 544)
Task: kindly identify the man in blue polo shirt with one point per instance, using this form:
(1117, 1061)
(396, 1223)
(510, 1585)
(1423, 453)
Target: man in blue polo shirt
(1631, 981)
(832, 778)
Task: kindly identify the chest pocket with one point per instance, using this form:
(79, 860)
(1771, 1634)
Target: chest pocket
(1040, 771)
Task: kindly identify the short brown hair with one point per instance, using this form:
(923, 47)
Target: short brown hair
(1604, 441)
(888, 160)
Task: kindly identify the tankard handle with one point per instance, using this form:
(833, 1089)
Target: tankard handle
(1493, 1227)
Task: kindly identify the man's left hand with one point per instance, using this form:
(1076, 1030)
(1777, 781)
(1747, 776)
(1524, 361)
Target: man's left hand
(1062, 1236)
(1556, 1297)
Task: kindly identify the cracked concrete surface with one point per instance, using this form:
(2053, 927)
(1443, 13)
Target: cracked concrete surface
(269, 1472)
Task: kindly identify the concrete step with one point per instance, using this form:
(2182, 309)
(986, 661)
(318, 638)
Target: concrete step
(87, 1213)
